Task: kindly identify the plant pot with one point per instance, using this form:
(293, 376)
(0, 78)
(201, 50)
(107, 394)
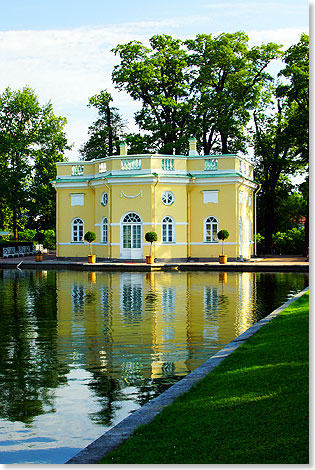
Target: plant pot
(91, 258)
(223, 277)
(222, 259)
(92, 277)
(38, 258)
(150, 259)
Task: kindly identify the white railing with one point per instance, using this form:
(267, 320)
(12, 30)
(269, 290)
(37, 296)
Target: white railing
(131, 164)
(168, 164)
(102, 167)
(77, 170)
(211, 164)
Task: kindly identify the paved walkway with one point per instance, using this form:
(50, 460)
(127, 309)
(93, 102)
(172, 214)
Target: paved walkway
(266, 263)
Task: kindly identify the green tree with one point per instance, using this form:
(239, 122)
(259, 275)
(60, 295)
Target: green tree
(32, 139)
(296, 92)
(281, 147)
(140, 144)
(159, 77)
(106, 132)
(228, 76)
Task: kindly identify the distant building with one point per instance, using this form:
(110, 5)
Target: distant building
(185, 199)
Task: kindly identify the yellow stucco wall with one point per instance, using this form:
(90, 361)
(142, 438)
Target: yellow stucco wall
(140, 190)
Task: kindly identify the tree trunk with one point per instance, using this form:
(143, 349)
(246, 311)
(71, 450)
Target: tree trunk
(224, 145)
(269, 220)
(15, 233)
(110, 131)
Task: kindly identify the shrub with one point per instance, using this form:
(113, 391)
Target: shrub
(223, 235)
(50, 239)
(27, 235)
(90, 237)
(290, 242)
(151, 237)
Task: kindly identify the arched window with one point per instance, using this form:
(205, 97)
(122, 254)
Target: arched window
(104, 230)
(168, 232)
(131, 233)
(211, 230)
(132, 218)
(77, 230)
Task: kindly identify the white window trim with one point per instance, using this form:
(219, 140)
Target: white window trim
(106, 197)
(77, 199)
(210, 194)
(173, 197)
(72, 231)
(102, 231)
(173, 231)
(205, 231)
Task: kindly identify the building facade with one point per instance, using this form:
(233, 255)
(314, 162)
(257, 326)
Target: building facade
(186, 200)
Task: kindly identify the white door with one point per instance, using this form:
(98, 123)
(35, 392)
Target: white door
(131, 237)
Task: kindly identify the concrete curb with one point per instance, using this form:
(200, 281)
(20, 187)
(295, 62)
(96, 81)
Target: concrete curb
(143, 267)
(144, 415)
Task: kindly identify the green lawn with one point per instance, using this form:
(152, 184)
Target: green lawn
(252, 409)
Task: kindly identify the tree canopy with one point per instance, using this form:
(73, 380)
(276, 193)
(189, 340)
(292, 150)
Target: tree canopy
(280, 138)
(106, 132)
(32, 140)
(204, 86)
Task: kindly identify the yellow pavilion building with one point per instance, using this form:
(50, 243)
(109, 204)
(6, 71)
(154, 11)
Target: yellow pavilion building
(186, 200)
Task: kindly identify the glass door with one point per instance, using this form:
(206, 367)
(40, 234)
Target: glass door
(131, 238)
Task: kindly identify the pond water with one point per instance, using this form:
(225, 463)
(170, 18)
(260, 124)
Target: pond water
(82, 350)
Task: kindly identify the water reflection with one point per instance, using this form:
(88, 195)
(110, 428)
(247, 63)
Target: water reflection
(81, 350)
(29, 366)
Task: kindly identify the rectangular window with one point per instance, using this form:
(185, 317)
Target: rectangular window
(127, 236)
(136, 236)
(170, 233)
(210, 196)
(77, 199)
(78, 233)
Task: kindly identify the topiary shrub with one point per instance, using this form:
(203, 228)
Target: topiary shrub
(223, 235)
(151, 237)
(90, 237)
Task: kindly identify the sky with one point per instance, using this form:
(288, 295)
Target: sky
(62, 48)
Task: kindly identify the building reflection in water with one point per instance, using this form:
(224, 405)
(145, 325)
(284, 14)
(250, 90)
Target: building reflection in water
(82, 350)
(150, 325)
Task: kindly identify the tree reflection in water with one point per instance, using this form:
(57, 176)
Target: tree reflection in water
(117, 339)
(29, 365)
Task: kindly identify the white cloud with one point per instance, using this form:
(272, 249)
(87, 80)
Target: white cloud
(69, 66)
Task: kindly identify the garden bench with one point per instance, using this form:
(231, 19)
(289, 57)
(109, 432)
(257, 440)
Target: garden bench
(26, 250)
(9, 251)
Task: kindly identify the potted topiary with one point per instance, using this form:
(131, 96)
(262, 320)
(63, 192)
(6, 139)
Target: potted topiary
(150, 237)
(38, 256)
(223, 235)
(90, 237)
